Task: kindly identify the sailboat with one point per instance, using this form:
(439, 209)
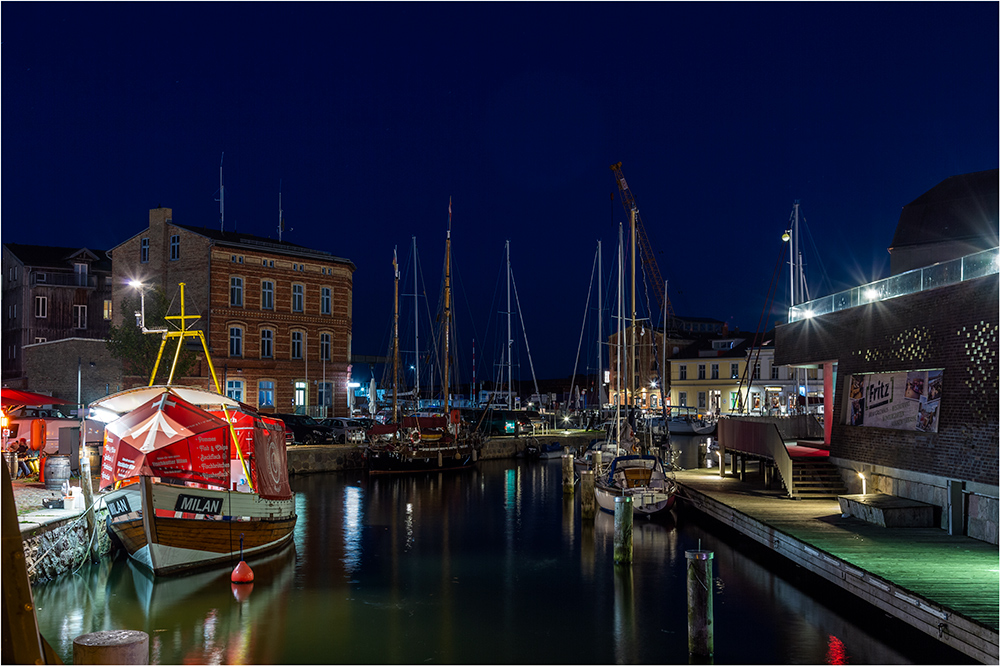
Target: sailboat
(422, 443)
(197, 479)
(640, 476)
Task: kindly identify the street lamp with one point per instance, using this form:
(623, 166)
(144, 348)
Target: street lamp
(140, 316)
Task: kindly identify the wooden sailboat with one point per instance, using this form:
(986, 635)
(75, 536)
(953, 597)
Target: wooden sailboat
(640, 476)
(196, 478)
(422, 443)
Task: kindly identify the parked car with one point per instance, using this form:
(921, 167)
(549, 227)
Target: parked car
(306, 429)
(345, 430)
(20, 419)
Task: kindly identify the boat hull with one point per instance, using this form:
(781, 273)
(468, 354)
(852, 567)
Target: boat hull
(388, 460)
(640, 477)
(168, 541)
(644, 503)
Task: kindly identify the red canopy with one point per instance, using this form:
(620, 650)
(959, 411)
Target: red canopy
(167, 437)
(9, 397)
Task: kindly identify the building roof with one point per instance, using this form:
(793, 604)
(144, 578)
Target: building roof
(50, 256)
(959, 208)
(236, 238)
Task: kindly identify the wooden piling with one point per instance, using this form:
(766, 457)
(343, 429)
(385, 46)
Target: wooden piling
(587, 499)
(701, 634)
(623, 530)
(569, 485)
(125, 646)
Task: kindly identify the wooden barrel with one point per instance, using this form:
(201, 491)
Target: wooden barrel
(56, 471)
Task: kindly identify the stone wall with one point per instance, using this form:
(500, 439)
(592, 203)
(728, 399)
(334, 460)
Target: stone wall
(60, 548)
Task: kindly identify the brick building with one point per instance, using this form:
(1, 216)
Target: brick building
(51, 293)
(912, 401)
(277, 316)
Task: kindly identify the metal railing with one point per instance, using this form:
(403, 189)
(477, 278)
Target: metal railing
(941, 274)
(760, 439)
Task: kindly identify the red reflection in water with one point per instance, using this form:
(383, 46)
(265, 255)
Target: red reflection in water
(835, 651)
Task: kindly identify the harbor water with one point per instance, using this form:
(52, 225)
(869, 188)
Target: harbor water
(488, 565)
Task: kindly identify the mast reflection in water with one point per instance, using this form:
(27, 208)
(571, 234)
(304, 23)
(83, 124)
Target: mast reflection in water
(487, 565)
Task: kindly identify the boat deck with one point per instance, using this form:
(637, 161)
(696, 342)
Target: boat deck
(947, 586)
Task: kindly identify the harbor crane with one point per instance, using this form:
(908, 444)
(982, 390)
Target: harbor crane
(628, 201)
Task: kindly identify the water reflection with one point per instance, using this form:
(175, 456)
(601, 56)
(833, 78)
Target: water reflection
(489, 565)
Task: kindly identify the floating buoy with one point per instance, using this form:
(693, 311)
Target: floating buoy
(242, 573)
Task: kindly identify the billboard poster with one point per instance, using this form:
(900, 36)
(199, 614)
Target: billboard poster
(900, 400)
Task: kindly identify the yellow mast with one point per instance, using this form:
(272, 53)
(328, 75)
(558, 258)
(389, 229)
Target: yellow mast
(447, 307)
(395, 345)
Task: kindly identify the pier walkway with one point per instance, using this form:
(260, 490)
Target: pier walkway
(946, 586)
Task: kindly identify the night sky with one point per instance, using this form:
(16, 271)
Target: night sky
(372, 115)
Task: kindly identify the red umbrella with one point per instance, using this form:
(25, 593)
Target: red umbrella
(167, 437)
(9, 397)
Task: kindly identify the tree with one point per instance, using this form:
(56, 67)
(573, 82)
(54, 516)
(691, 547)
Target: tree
(136, 350)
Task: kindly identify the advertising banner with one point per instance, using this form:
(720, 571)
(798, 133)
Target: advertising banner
(900, 400)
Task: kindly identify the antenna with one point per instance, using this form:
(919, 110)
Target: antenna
(281, 219)
(222, 197)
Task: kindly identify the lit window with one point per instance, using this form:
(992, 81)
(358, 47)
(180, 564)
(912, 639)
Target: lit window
(265, 393)
(107, 309)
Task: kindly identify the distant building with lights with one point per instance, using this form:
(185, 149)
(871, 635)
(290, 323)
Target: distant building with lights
(277, 316)
(911, 374)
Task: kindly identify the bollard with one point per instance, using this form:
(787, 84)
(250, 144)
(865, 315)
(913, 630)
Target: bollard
(701, 635)
(587, 498)
(124, 646)
(569, 485)
(623, 530)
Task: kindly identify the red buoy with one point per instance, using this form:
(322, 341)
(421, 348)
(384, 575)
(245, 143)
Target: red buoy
(242, 573)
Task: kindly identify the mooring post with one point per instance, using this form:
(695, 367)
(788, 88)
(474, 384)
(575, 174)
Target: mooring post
(701, 635)
(125, 646)
(587, 499)
(567, 470)
(595, 462)
(623, 530)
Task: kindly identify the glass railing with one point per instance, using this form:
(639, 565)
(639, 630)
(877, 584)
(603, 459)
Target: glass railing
(942, 274)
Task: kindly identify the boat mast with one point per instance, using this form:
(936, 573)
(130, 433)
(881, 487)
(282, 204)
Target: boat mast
(510, 340)
(395, 342)
(621, 334)
(600, 334)
(631, 365)
(416, 330)
(447, 306)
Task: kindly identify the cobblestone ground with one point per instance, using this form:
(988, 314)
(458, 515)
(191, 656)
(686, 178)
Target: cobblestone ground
(29, 493)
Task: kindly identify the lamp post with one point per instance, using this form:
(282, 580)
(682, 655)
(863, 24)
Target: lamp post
(86, 482)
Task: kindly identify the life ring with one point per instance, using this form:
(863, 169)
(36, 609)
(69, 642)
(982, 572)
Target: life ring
(414, 436)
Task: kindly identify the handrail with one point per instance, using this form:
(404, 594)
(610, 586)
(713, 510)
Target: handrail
(757, 438)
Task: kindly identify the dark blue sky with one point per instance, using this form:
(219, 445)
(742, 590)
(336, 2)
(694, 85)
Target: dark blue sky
(372, 115)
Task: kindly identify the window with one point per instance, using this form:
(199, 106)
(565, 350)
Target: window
(715, 371)
(13, 273)
(234, 389)
(297, 297)
(324, 346)
(683, 369)
(266, 295)
(296, 344)
(175, 248)
(144, 251)
(265, 393)
(734, 370)
(80, 271)
(324, 301)
(756, 370)
(701, 400)
(236, 291)
(107, 309)
(701, 371)
(12, 351)
(79, 316)
(267, 343)
(235, 341)
(325, 395)
(12, 311)
(41, 306)
(41, 277)
(300, 396)
(37, 340)
(682, 398)
(774, 372)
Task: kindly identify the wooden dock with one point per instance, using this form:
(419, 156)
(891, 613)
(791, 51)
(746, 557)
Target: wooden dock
(946, 586)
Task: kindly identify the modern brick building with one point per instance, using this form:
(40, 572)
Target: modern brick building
(276, 315)
(911, 361)
(49, 294)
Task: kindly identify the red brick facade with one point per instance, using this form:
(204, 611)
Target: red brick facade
(266, 308)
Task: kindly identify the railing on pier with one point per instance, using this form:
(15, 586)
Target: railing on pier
(757, 438)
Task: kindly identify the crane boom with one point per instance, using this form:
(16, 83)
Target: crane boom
(628, 201)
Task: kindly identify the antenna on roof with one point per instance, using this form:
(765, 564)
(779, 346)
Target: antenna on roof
(222, 197)
(281, 219)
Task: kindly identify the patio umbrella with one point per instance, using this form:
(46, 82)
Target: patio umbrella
(10, 397)
(167, 437)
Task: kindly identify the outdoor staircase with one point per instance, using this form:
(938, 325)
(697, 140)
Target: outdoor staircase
(816, 478)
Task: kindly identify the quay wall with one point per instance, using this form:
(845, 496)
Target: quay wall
(60, 547)
(954, 328)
